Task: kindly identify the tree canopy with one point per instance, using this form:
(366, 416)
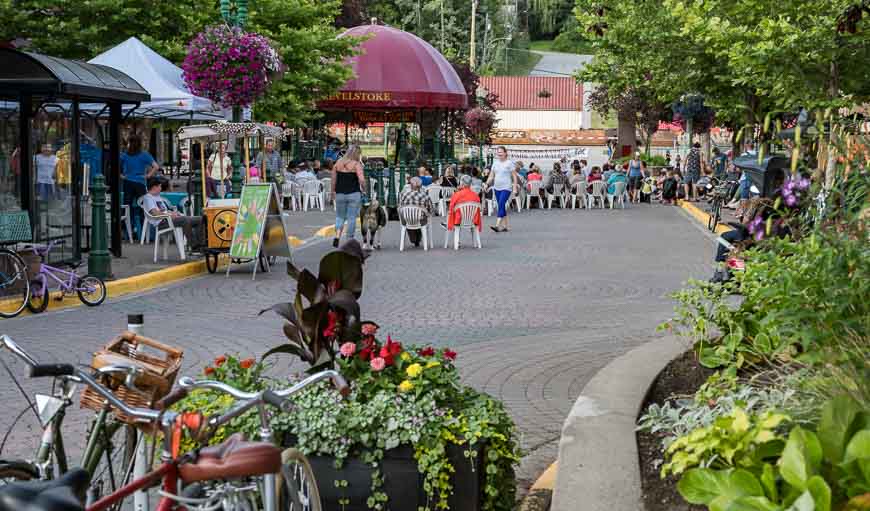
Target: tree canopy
(747, 58)
(302, 30)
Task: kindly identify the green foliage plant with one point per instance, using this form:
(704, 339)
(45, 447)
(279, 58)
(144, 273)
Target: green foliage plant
(822, 470)
(736, 440)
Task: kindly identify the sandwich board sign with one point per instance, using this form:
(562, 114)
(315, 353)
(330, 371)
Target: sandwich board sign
(260, 231)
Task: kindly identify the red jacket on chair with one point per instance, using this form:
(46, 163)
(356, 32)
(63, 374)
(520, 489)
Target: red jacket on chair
(454, 217)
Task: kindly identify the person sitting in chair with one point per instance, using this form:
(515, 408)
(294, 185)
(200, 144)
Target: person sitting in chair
(463, 194)
(416, 196)
(156, 205)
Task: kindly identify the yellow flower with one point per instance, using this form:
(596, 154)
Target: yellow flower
(433, 363)
(406, 386)
(405, 356)
(414, 370)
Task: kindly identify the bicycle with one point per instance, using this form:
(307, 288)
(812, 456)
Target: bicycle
(14, 284)
(231, 475)
(721, 194)
(110, 445)
(90, 289)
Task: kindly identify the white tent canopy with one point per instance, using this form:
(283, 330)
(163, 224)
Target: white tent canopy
(170, 97)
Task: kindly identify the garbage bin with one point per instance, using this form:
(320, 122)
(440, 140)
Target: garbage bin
(767, 176)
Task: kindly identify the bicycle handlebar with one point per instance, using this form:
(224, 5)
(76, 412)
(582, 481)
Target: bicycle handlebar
(13, 346)
(337, 380)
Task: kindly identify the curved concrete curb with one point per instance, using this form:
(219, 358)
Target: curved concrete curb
(598, 460)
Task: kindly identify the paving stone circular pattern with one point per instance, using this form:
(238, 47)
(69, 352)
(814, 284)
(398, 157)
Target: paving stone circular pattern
(533, 314)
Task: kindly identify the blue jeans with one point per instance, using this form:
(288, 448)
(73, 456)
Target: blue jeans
(501, 197)
(346, 210)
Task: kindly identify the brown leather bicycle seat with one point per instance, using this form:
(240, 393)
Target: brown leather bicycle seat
(231, 459)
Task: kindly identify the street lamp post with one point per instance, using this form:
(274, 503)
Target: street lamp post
(235, 13)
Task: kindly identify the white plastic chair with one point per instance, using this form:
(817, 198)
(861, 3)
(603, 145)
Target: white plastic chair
(289, 191)
(434, 192)
(326, 192)
(518, 198)
(558, 193)
(597, 195)
(468, 210)
(534, 193)
(578, 194)
(168, 230)
(491, 203)
(125, 218)
(618, 194)
(312, 194)
(411, 219)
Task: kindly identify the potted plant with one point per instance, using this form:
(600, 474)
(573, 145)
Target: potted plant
(410, 435)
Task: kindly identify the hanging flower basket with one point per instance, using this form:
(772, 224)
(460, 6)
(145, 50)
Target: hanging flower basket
(229, 66)
(479, 123)
(544, 93)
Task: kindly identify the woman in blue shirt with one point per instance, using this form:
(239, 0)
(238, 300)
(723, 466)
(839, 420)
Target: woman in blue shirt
(136, 167)
(635, 178)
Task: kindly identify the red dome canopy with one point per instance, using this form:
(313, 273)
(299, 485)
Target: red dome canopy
(397, 70)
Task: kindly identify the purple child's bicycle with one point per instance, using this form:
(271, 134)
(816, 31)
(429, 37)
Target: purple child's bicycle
(91, 289)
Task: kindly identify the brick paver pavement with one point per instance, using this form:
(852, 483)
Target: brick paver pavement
(534, 314)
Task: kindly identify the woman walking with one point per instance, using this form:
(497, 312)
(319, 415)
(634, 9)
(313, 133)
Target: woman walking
(503, 180)
(347, 182)
(635, 178)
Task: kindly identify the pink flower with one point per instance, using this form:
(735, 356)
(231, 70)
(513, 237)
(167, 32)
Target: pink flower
(348, 349)
(378, 364)
(369, 329)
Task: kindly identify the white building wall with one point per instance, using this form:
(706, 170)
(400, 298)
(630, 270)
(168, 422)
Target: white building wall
(539, 120)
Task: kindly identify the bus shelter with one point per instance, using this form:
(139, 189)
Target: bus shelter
(47, 160)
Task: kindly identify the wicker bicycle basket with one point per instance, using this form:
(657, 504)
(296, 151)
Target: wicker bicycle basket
(159, 363)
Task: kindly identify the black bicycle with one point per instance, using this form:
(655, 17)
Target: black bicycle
(720, 195)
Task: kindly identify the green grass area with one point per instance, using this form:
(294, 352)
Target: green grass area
(541, 45)
(521, 64)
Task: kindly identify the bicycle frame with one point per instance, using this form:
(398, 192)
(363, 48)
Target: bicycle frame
(167, 472)
(66, 286)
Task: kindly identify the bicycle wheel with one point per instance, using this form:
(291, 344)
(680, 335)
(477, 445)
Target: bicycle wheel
(14, 284)
(14, 471)
(715, 215)
(91, 290)
(110, 464)
(39, 295)
(297, 489)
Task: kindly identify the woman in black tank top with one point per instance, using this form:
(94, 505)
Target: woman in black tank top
(347, 182)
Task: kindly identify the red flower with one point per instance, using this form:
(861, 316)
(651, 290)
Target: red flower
(449, 354)
(393, 348)
(247, 363)
(331, 323)
(428, 351)
(220, 360)
(365, 354)
(208, 370)
(386, 355)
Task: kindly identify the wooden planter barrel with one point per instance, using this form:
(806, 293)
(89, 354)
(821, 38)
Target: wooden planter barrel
(403, 484)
